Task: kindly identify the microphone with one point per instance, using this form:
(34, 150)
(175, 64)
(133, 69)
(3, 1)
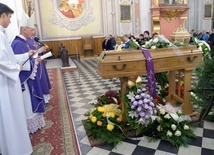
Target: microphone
(38, 41)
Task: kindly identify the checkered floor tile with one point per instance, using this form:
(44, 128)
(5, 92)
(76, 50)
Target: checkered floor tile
(84, 86)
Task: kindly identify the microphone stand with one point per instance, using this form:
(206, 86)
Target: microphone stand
(27, 59)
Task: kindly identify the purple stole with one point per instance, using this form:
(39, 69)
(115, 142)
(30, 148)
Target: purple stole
(150, 73)
(41, 71)
(20, 46)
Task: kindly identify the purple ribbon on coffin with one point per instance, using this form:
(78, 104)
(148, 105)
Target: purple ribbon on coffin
(150, 73)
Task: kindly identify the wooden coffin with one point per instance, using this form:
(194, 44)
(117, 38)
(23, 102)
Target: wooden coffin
(132, 62)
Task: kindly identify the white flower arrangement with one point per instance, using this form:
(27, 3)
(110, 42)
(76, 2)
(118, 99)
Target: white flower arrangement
(170, 124)
(178, 133)
(173, 126)
(167, 116)
(204, 47)
(186, 127)
(162, 111)
(169, 133)
(158, 42)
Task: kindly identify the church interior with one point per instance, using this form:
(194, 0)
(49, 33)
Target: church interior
(105, 53)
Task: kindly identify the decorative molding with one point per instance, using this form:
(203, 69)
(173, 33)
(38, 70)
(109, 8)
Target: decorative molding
(137, 26)
(126, 28)
(156, 24)
(84, 19)
(171, 13)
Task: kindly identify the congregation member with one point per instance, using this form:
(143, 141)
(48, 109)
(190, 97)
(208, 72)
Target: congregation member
(41, 71)
(106, 44)
(211, 37)
(198, 35)
(125, 42)
(146, 36)
(113, 41)
(211, 42)
(32, 91)
(154, 35)
(140, 40)
(14, 137)
(204, 36)
(132, 38)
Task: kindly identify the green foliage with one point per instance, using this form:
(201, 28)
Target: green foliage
(162, 79)
(133, 45)
(205, 76)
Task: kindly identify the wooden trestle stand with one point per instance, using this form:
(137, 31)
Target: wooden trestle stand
(131, 63)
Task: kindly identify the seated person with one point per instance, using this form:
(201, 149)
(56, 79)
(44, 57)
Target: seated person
(154, 35)
(125, 42)
(205, 36)
(132, 38)
(140, 40)
(146, 36)
(113, 41)
(106, 45)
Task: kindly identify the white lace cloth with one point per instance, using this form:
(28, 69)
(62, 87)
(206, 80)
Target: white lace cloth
(35, 123)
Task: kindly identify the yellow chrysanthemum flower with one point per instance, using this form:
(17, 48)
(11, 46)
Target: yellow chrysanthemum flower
(99, 123)
(110, 127)
(101, 109)
(94, 119)
(91, 116)
(119, 119)
(112, 114)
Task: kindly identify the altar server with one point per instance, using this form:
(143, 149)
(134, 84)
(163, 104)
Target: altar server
(14, 137)
(32, 92)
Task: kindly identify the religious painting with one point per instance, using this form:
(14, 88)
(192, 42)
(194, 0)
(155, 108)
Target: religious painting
(72, 14)
(125, 13)
(58, 22)
(208, 11)
(71, 8)
(28, 7)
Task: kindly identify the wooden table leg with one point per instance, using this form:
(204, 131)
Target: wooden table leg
(123, 86)
(187, 106)
(170, 98)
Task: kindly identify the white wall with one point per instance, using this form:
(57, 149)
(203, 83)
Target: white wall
(196, 16)
(145, 20)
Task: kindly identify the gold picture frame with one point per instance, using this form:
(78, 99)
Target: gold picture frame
(125, 13)
(208, 11)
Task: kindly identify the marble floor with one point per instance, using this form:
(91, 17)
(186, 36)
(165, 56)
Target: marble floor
(85, 85)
